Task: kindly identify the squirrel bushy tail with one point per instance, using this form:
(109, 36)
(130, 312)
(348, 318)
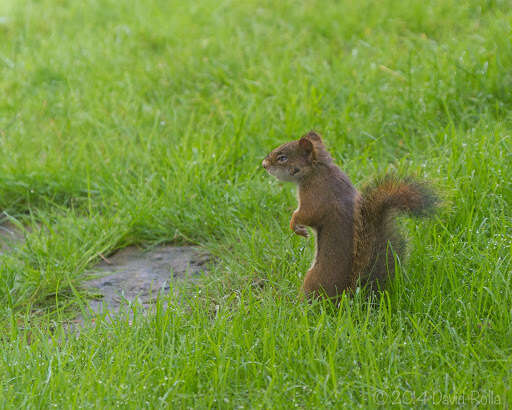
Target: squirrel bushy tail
(376, 236)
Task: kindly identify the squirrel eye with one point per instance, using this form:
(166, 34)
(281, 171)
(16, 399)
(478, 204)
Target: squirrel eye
(282, 158)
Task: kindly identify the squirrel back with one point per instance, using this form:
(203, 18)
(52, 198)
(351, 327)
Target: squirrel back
(356, 236)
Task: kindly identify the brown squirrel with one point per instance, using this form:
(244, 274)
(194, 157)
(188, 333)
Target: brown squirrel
(356, 234)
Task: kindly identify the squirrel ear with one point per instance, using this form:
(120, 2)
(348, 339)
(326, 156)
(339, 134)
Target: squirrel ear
(306, 145)
(313, 136)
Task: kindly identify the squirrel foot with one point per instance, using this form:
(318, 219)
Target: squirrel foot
(301, 230)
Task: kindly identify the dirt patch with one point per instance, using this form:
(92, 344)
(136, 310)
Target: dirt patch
(135, 275)
(10, 236)
(131, 275)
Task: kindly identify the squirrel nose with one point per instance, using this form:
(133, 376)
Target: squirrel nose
(265, 163)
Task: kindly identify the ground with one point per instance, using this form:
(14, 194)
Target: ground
(145, 123)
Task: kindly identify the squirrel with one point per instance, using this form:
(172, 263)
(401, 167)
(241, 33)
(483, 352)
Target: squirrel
(355, 232)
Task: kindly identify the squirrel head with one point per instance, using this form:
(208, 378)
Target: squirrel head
(295, 161)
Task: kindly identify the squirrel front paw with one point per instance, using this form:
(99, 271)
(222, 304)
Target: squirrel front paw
(301, 230)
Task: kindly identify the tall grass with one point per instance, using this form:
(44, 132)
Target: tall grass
(146, 122)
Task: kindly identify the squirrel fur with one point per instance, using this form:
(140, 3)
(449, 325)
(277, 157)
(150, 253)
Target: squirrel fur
(356, 236)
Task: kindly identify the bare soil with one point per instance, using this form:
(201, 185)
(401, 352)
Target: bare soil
(131, 275)
(137, 275)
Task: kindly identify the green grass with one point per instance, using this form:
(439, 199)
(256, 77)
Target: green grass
(145, 122)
